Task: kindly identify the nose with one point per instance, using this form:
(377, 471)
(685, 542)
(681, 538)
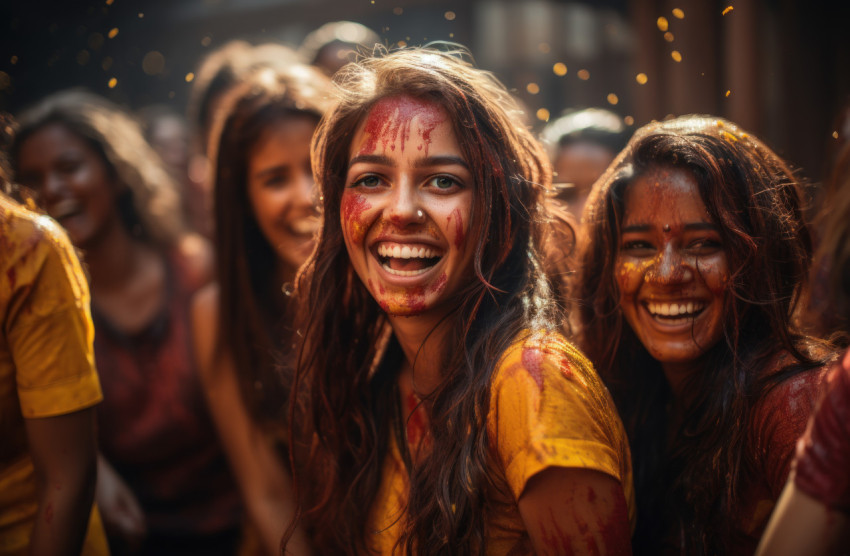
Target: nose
(669, 267)
(404, 208)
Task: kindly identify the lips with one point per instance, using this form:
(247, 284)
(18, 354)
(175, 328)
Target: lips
(64, 209)
(406, 259)
(303, 226)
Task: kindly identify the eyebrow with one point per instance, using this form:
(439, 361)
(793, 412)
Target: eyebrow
(425, 162)
(637, 228)
(271, 171)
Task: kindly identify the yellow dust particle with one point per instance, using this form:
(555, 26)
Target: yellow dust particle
(728, 92)
(612, 98)
(662, 23)
(113, 32)
(5, 80)
(402, 44)
(398, 11)
(676, 55)
(835, 135)
(451, 35)
(83, 57)
(153, 63)
(532, 88)
(189, 77)
(584, 75)
(559, 69)
(543, 115)
(109, 2)
(641, 78)
(628, 120)
(14, 60)
(450, 16)
(678, 13)
(544, 47)
(668, 36)
(112, 83)
(206, 41)
(141, 15)
(727, 10)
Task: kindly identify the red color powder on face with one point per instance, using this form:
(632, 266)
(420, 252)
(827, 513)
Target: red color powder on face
(353, 207)
(390, 121)
(438, 284)
(532, 362)
(459, 235)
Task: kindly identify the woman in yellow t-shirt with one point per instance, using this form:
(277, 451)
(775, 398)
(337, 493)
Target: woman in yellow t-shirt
(48, 390)
(439, 408)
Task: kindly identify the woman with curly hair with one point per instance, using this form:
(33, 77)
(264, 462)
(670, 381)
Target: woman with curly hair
(265, 222)
(163, 482)
(695, 257)
(438, 408)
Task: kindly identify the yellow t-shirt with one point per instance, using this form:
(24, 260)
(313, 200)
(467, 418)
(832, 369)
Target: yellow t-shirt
(548, 408)
(46, 359)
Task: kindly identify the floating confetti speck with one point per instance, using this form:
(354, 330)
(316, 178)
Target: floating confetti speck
(612, 98)
(641, 78)
(727, 10)
(113, 32)
(398, 11)
(153, 63)
(112, 83)
(583, 74)
(189, 77)
(728, 92)
(532, 88)
(451, 35)
(5, 80)
(141, 15)
(449, 15)
(544, 47)
(628, 120)
(668, 36)
(14, 60)
(206, 41)
(402, 44)
(662, 23)
(676, 55)
(678, 13)
(559, 69)
(835, 134)
(109, 2)
(543, 115)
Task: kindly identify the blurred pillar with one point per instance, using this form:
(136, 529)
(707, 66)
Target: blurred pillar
(694, 83)
(742, 55)
(649, 99)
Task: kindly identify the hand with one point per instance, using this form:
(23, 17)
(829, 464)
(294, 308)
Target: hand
(122, 514)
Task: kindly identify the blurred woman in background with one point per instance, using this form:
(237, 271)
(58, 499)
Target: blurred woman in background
(265, 222)
(695, 257)
(163, 482)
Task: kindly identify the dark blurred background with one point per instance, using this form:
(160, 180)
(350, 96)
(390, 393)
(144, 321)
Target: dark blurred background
(779, 68)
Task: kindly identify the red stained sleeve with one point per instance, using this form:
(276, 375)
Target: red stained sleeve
(823, 453)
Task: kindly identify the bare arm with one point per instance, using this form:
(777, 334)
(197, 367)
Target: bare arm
(64, 453)
(801, 525)
(575, 511)
(263, 478)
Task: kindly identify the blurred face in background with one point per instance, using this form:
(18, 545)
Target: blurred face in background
(280, 188)
(580, 163)
(72, 181)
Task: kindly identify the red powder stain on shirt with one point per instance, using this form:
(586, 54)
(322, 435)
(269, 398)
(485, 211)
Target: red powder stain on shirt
(390, 121)
(459, 235)
(48, 513)
(532, 362)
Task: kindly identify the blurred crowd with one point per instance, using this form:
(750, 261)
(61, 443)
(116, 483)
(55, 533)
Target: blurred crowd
(198, 356)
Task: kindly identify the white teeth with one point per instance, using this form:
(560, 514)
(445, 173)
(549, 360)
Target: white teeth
(406, 252)
(305, 226)
(64, 208)
(675, 309)
(405, 272)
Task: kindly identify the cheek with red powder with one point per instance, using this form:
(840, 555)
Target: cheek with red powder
(388, 124)
(458, 225)
(352, 208)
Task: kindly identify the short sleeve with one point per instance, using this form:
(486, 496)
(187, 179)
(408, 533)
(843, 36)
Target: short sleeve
(823, 453)
(49, 329)
(549, 409)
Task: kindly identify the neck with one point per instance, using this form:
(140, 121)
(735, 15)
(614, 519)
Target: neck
(423, 340)
(113, 258)
(677, 375)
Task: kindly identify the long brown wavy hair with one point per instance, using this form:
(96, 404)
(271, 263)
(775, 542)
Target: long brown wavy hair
(250, 297)
(754, 197)
(345, 413)
(149, 204)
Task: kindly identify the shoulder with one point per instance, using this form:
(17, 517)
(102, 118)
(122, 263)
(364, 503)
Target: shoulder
(194, 257)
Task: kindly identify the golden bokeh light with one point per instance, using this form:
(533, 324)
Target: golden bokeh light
(612, 99)
(189, 77)
(153, 63)
(662, 23)
(543, 115)
(583, 74)
(668, 36)
(560, 69)
(112, 83)
(727, 10)
(628, 120)
(678, 13)
(450, 16)
(113, 32)
(641, 78)
(532, 88)
(676, 55)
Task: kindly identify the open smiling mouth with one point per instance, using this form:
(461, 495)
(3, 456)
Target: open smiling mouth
(407, 260)
(674, 313)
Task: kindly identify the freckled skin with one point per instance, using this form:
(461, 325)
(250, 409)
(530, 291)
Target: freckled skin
(401, 156)
(670, 251)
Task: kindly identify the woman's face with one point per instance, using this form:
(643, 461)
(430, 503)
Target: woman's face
(406, 206)
(671, 267)
(72, 181)
(280, 188)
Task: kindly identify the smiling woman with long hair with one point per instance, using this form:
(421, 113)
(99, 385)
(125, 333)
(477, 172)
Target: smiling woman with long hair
(438, 409)
(695, 257)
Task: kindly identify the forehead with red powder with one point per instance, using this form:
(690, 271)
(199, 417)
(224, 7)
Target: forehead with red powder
(389, 125)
